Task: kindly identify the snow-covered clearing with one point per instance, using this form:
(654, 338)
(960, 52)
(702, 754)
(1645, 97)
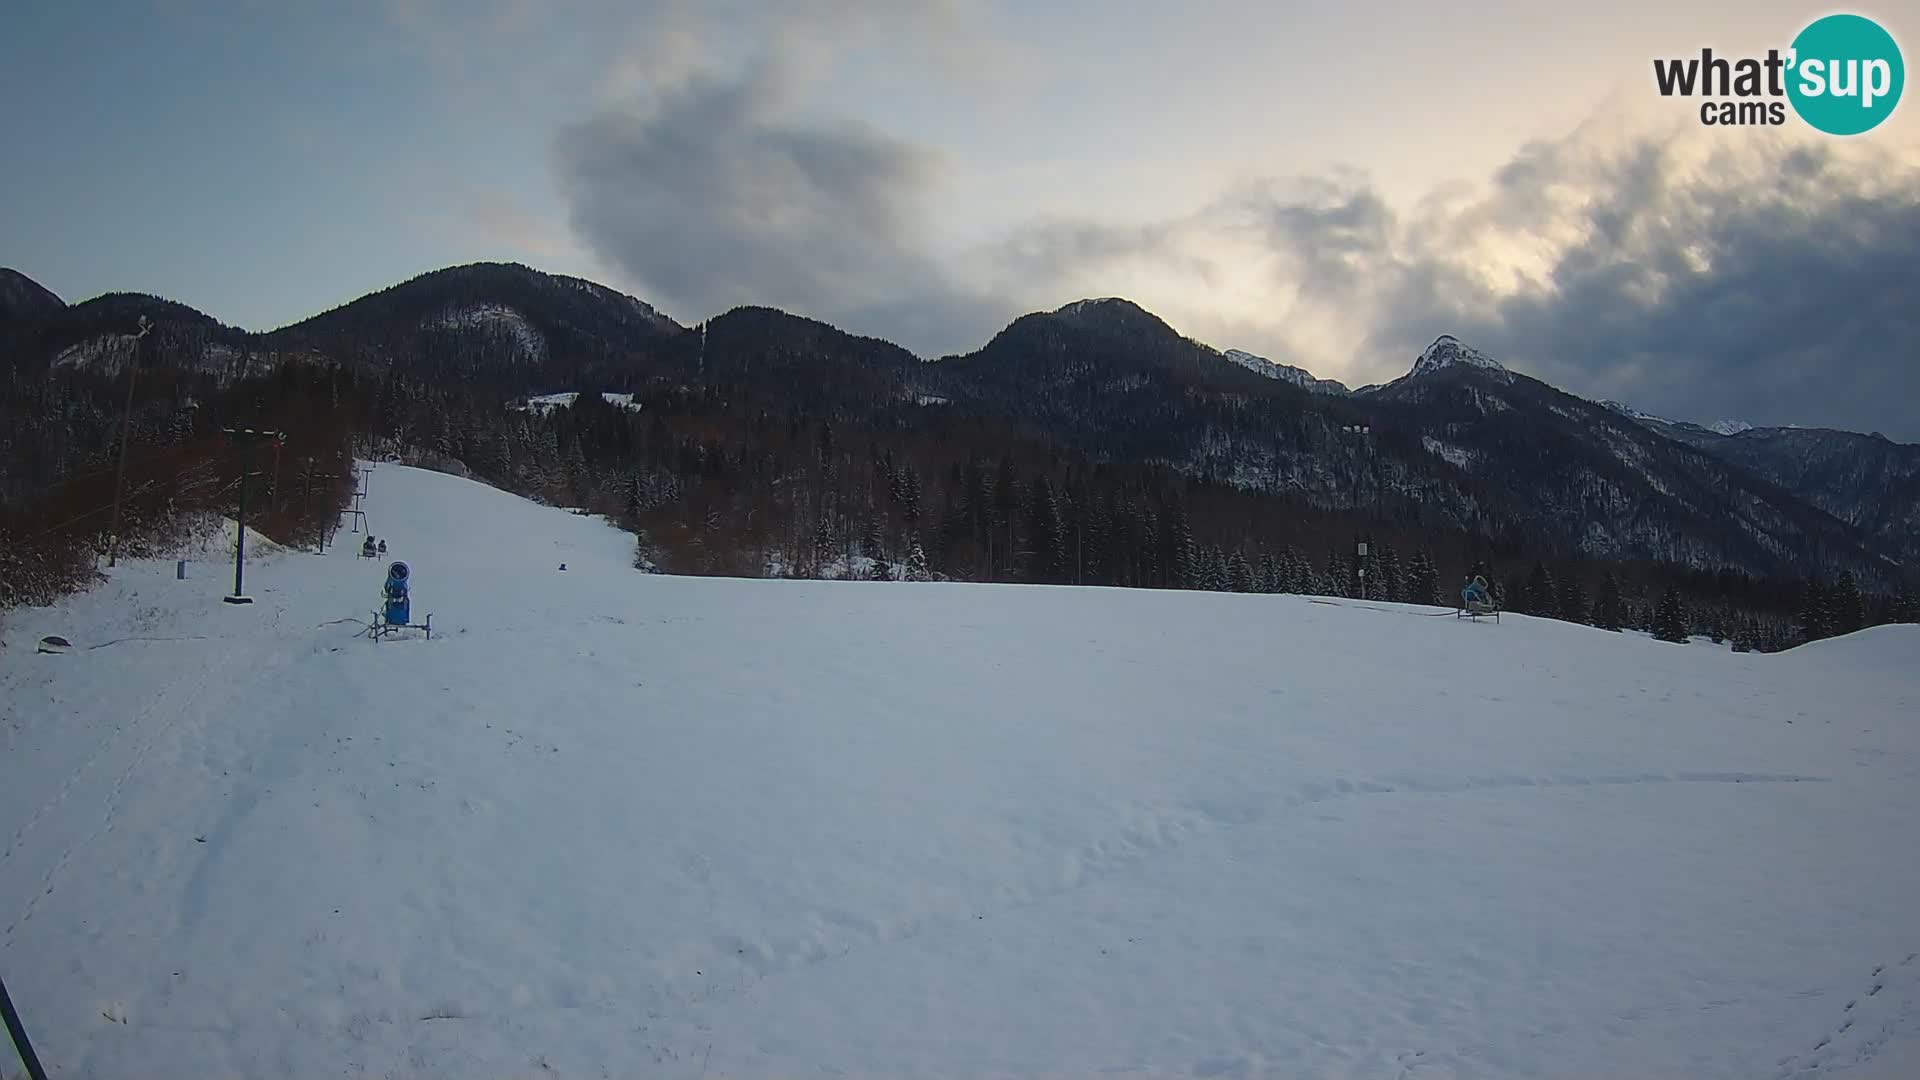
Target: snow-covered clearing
(610, 823)
(545, 403)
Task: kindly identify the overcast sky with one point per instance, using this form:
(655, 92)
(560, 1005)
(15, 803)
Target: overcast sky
(1332, 185)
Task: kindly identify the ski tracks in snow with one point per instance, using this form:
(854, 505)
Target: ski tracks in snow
(1160, 831)
(194, 696)
(1151, 833)
(1887, 1004)
(155, 718)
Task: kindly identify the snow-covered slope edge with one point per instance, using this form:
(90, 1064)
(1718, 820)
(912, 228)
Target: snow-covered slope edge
(546, 403)
(609, 822)
(1271, 369)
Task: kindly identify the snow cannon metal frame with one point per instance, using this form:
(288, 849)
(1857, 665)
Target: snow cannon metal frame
(1477, 610)
(396, 613)
(1489, 609)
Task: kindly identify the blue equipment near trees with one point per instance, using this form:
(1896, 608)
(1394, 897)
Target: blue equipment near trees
(398, 605)
(1476, 600)
(397, 614)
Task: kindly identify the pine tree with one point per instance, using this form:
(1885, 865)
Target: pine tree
(1269, 573)
(1098, 564)
(1906, 606)
(1845, 605)
(1670, 619)
(917, 569)
(1391, 585)
(1608, 607)
(1073, 532)
(909, 498)
(1296, 573)
(882, 570)
(1573, 599)
(1537, 595)
(1214, 576)
(1339, 573)
(1044, 552)
(1815, 623)
(1423, 580)
(1006, 508)
(823, 545)
(1178, 555)
(579, 477)
(634, 506)
(1240, 573)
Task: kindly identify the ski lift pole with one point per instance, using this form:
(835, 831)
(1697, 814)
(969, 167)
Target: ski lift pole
(245, 439)
(19, 1032)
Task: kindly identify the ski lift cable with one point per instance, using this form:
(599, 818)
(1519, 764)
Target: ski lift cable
(148, 486)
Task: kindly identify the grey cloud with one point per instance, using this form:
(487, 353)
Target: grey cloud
(1335, 231)
(1772, 286)
(1771, 282)
(1035, 256)
(710, 198)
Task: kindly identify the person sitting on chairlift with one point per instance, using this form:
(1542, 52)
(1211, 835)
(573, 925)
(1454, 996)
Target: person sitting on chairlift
(367, 549)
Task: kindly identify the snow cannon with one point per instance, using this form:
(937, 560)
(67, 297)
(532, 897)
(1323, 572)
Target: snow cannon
(399, 607)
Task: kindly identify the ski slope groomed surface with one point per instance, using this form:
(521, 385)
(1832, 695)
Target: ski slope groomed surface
(614, 824)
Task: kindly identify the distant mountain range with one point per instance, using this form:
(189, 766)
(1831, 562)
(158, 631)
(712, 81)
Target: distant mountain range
(1459, 441)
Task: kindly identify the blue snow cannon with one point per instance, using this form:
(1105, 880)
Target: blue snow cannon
(399, 607)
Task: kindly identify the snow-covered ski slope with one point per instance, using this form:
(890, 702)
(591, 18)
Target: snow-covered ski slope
(614, 824)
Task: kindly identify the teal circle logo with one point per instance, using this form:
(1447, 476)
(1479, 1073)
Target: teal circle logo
(1846, 74)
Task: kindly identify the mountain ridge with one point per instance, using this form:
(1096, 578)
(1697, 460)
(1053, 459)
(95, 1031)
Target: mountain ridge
(1459, 441)
(23, 297)
(1445, 351)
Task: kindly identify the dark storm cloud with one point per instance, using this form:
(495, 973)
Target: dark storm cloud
(1774, 287)
(709, 198)
(1772, 283)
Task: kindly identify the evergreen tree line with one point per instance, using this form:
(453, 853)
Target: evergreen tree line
(1822, 610)
(1827, 610)
(59, 472)
(709, 491)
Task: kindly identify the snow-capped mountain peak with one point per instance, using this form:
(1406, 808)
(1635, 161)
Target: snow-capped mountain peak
(1298, 376)
(1718, 427)
(1092, 303)
(1448, 351)
(1633, 413)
